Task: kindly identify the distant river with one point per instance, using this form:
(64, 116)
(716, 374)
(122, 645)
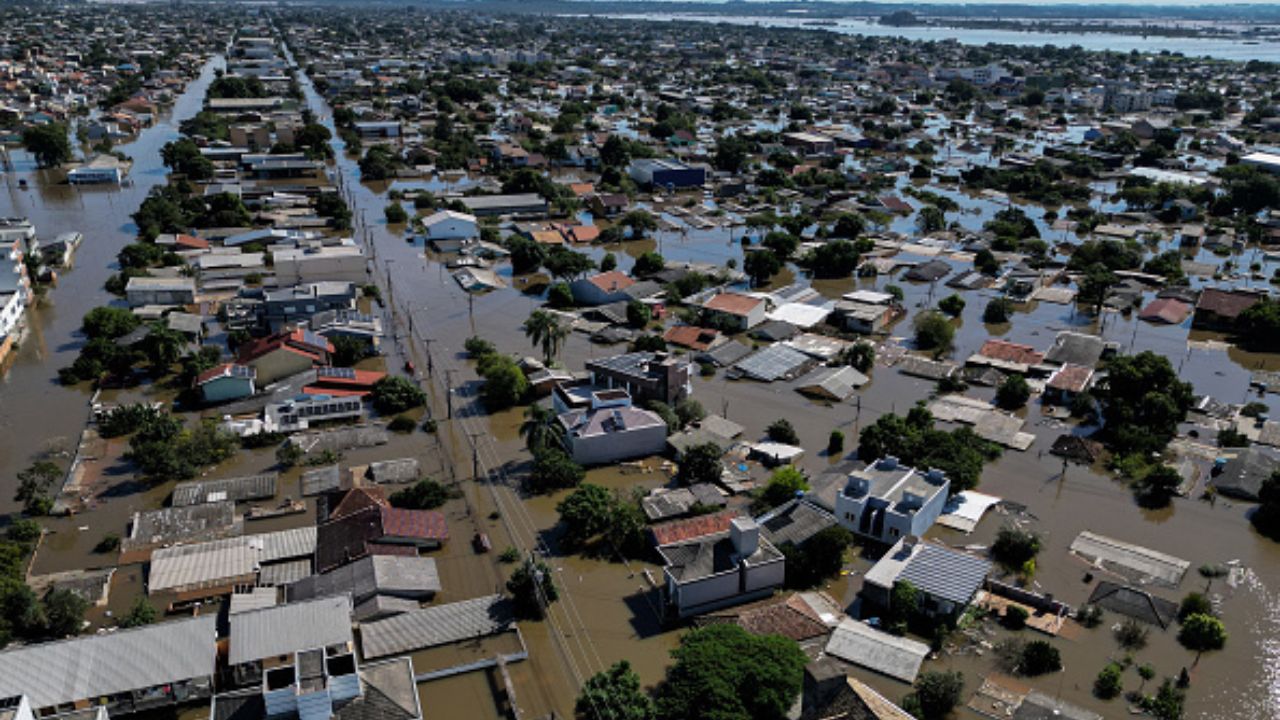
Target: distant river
(1226, 49)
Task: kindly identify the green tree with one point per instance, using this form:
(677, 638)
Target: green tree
(997, 311)
(34, 485)
(348, 350)
(64, 612)
(1013, 393)
(818, 559)
(781, 431)
(1095, 285)
(722, 672)
(952, 305)
(1039, 657)
(543, 328)
(23, 531)
(782, 486)
(1014, 546)
(1201, 633)
(504, 382)
(1266, 517)
(48, 143)
(1158, 486)
(541, 429)
(934, 332)
(564, 263)
(761, 265)
(861, 356)
(608, 262)
(425, 494)
(1167, 703)
(701, 464)
(1109, 682)
(395, 213)
(142, 613)
(585, 513)
(396, 394)
(614, 694)
(935, 694)
(904, 600)
(108, 322)
(638, 314)
(532, 589)
(689, 411)
(1143, 401)
(554, 470)
(648, 264)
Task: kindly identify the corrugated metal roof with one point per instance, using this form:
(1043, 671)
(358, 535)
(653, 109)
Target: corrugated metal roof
(91, 667)
(860, 644)
(186, 565)
(256, 599)
(289, 628)
(435, 626)
(283, 573)
(946, 574)
(288, 544)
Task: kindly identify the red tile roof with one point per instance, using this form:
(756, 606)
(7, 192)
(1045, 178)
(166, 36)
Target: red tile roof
(611, 281)
(358, 499)
(790, 617)
(1226, 303)
(1166, 310)
(694, 527)
(583, 233)
(295, 341)
(191, 242)
(692, 337)
(1011, 352)
(418, 524)
(732, 303)
(1071, 378)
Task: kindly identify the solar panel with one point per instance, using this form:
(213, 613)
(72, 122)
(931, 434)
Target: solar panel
(313, 339)
(337, 372)
(241, 371)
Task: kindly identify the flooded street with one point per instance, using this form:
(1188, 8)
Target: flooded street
(52, 416)
(611, 611)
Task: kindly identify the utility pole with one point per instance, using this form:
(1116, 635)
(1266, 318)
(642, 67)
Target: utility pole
(430, 363)
(448, 394)
(475, 455)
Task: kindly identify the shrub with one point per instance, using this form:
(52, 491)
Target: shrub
(395, 394)
(1108, 683)
(1015, 617)
(426, 494)
(1039, 657)
(402, 424)
(781, 431)
(108, 544)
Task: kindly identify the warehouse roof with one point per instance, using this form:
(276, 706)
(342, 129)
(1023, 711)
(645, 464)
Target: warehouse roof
(437, 625)
(289, 628)
(94, 666)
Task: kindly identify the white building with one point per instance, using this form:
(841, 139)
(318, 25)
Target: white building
(298, 414)
(313, 263)
(612, 430)
(886, 501)
(450, 225)
(721, 569)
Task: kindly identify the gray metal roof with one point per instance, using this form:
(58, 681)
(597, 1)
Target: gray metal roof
(860, 644)
(286, 544)
(773, 363)
(289, 628)
(946, 574)
(409, 577)
(437, 625)
(237, 489)
(90, 667)
(283, 573)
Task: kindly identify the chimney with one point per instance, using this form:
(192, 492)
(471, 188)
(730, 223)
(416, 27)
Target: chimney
(745, 534)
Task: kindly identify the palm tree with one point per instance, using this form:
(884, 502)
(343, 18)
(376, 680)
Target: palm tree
(541, 429)
(543, 329)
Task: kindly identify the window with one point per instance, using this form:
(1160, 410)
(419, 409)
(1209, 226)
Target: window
(893, 532)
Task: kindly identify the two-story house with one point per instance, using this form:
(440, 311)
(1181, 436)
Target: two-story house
(887, 501)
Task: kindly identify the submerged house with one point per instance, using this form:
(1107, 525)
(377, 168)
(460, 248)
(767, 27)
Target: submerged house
(887, 501)
(721, 569)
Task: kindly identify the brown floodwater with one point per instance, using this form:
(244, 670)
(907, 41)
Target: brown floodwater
(608, 610)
